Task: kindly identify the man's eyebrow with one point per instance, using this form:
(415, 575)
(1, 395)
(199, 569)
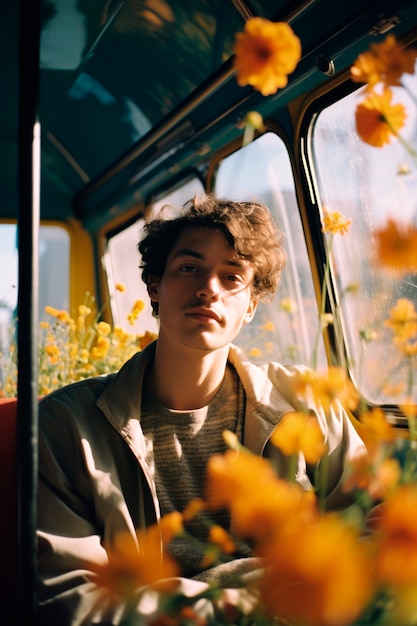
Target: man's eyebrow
(237, 262)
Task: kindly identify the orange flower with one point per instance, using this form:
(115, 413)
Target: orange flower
(334, 222)
(221, 538)
(265, 53)
(318, 576)
(134, 313)
(396, 246)
(378, 477)
(329, 388)
(403, 320)
(260, 504)
(231, 474)
(384, 62)
(298, 432)
(376, 428)
(396, 559)
(130, 567)
(377, 119)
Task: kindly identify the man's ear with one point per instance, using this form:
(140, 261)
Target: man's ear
(249, 315)
(153, 289)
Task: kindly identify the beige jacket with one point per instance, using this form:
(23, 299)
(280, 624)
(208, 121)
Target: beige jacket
(94, 482)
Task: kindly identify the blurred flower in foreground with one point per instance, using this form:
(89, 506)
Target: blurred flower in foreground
(265, 53)
(298, 432)
(384, 62)
(378, 120)
(329, 388)
(402, 320)
(396, 246)
(319, 575)
(132, 565)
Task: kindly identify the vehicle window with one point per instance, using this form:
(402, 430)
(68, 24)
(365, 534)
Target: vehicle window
(54, 253)
(122, 263)
(284, 329)
(368, 185)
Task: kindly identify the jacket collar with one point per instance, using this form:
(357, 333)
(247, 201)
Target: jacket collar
(121, 399)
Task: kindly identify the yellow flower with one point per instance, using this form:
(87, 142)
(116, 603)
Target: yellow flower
(269, 327)
(288, 305)
(298, 432)
(376, 428)
(319, 575)
(170, 525)
(193, 508)
(136, 309)
(329, 388)
(334, 222)
(261, 505)
(396, 246)
(377, 119)
(50, 310)
(52, 351)
(265, 53)
(385, 62)
(255, 353)
(402, 320)
(120, 287)
(103, 328)
(396, 560)
(84, 310)
(221, 538)
(129, 568)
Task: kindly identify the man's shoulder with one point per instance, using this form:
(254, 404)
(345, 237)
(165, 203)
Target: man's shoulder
(80, 396)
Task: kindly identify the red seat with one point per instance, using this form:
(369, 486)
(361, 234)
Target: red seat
(8, 498)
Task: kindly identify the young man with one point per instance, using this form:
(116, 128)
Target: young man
(117, 452)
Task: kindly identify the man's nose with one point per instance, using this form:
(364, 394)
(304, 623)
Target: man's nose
(209, 287)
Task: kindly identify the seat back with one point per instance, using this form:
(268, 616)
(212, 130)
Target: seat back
(8, 500)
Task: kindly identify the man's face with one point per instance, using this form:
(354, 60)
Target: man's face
(204, 295)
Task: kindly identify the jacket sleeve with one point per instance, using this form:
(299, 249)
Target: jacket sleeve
(344, 445)
(81, 507)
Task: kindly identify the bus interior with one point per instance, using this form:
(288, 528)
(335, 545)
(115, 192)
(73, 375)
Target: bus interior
(114, 109)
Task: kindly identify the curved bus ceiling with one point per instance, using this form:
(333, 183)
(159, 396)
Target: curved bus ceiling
(130, 88)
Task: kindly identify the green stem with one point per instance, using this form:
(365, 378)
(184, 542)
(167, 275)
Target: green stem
(314, 356)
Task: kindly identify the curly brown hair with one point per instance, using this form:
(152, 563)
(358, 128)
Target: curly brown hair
(247, 226)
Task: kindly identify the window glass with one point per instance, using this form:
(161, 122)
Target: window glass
(122, 263)
(368, 185)
(284, 329)
(54, 251)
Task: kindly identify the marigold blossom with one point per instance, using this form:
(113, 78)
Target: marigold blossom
(396, 560)
(320, 575)
(402, 320)
(260, 504)
(265, 53)
(396, 246)
(378, 120)
(329, 388)
(334, 222)
(298, 432)
(131, 565)
(221, 538)
(384, 62)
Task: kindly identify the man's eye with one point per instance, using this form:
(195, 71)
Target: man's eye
(187, 268)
